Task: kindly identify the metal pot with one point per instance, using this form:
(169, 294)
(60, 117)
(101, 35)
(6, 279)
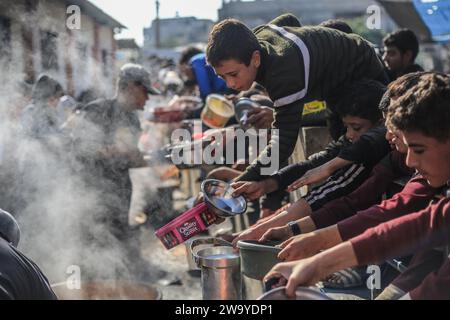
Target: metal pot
(302, 293)
(217, 111)
(220, 269)
(242, 108)
(186, 151)
(258, 257)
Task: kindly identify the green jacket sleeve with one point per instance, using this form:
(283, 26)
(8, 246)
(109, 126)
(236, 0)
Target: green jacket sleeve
(288, 122)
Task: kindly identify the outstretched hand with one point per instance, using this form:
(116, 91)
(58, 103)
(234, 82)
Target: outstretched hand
(251, 190)
(315, 175)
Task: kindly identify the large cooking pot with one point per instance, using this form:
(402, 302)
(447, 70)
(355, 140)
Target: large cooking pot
(302, 293)
(257, 257)
(217, 111)
(218, 202)
(109, 290)
(220, 269)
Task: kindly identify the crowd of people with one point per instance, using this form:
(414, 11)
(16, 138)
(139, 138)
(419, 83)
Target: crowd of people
(341, 224)
(388, 120)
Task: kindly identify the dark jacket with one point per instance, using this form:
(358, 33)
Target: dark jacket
(302, 64)
(367, 195)
(104, 124)
(21, 278)
(367, 151)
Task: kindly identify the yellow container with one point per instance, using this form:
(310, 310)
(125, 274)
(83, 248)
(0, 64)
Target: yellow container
(217, 111)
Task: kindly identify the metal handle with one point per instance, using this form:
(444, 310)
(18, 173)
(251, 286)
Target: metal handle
(214, 241)
(269, 283)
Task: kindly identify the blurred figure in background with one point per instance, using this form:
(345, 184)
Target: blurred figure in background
(40, 118)
(400, 52)
(105, 134)
(198, 73)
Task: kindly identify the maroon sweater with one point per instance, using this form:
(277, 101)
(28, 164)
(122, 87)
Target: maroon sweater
(369, 193)
(435, 286)
(426, 228)
(416, 195)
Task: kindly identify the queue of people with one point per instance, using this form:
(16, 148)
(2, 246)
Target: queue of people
(325, 242)
(389, 121)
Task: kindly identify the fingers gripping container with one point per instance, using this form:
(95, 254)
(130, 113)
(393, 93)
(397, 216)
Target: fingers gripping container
(187, 225)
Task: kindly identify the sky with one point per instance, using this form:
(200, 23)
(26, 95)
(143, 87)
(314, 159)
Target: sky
(138, 14)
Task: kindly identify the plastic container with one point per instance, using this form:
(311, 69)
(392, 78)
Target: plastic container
(257, 258)
(217, 111)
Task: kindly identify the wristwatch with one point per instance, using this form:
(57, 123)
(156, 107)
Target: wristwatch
(295, 228)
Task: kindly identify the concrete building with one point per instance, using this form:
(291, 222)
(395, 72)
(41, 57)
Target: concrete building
(37, 36)
(175, 32)
(127, 52)
(310, 12)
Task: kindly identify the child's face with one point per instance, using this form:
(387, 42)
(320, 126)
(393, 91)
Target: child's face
(395, 139)
(187, 72)
(356, 126)
(430, 157)
(237, 75)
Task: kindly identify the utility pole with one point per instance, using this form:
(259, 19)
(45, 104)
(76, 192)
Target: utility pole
(157, 26)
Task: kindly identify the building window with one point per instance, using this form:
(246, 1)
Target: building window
(82, 54)
(105, 62)
(5, 38)
(49, 50)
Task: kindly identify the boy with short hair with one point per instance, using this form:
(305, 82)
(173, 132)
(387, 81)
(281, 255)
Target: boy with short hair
(422, 116)
(400, 51)
(295, 64)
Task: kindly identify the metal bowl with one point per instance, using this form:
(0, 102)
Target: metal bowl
(219, 199)
(242, 109)
(302, 293)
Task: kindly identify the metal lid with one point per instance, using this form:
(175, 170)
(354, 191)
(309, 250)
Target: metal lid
(218, 257)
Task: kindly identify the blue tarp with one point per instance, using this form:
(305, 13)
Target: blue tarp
(436, 16)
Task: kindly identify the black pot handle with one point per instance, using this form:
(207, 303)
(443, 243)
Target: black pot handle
(269, 283)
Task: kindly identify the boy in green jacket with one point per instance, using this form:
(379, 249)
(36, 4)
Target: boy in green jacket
(295, 64)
